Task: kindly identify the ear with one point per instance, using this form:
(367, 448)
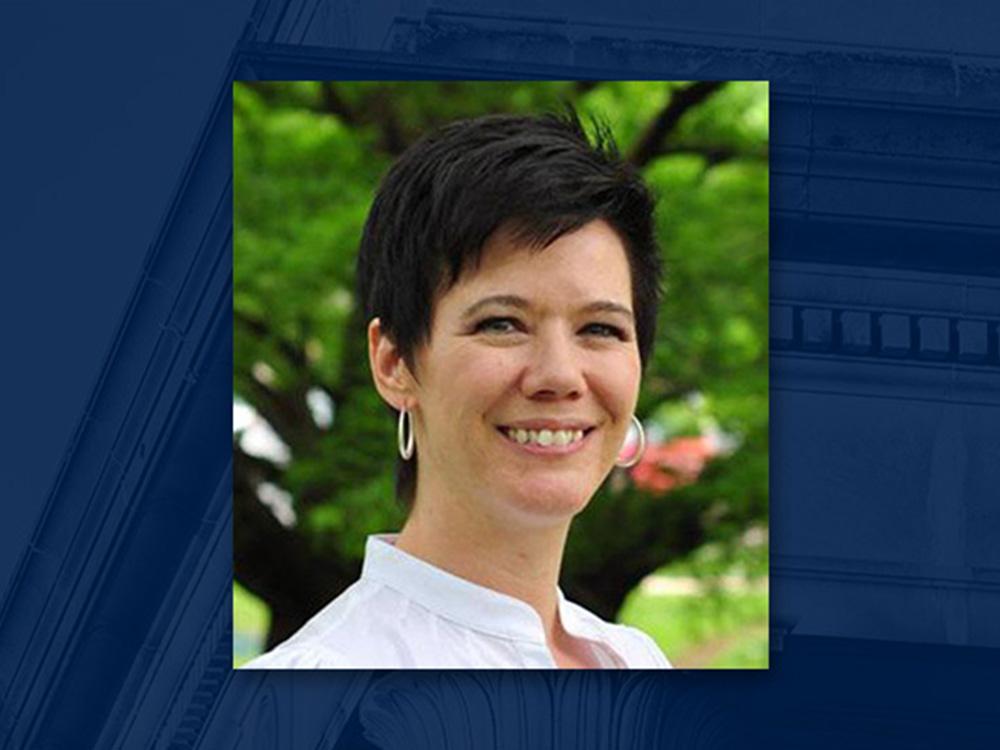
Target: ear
(393, 379)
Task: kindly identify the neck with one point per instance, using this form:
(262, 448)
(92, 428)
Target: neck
(512, 559)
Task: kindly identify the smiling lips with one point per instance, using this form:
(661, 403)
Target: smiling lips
(550, 439)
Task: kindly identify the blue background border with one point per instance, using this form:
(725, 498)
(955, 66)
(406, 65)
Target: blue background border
(115, 553)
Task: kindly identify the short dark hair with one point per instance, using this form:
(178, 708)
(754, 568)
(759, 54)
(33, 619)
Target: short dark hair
(539, 176)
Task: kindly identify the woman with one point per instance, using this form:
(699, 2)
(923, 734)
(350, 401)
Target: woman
(510, 275)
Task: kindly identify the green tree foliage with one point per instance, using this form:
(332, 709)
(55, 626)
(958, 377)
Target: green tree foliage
(307, 159)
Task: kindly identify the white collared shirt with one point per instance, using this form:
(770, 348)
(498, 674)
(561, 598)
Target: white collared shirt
(406, 613)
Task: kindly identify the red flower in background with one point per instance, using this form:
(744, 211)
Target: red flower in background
(674, 463)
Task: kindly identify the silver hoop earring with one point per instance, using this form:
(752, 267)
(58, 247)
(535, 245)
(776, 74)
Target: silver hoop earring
(640, 449)
(405, 428)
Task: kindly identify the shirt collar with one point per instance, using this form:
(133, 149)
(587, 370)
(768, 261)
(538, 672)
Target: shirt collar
(462, 601)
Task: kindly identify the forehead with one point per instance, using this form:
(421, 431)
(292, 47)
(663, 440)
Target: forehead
(588, 263)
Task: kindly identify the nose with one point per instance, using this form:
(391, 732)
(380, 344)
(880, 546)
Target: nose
(555, 369)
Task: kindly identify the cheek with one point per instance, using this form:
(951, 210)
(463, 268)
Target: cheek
(617, 386)
(470, 380)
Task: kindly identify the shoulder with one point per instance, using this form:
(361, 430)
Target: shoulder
(647, 653)
(638, 649)
(304, 656)
(342, 635)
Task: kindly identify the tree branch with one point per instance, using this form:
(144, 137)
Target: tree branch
(295, 354)
(286, 412)
(716, 154)
(334, 104)
(650, 145)
(278, 564)
(386, 118)
(254, 469)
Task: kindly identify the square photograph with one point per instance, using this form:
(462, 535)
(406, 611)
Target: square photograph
(500, 374)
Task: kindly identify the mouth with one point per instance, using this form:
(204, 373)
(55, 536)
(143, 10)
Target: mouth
(547, 439)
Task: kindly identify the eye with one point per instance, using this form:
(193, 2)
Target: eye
(498, 325)
(605, 330)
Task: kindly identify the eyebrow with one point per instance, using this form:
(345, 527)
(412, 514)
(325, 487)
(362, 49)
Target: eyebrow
(512, 300)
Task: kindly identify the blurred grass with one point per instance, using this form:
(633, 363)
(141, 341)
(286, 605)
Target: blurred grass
(714, 629)
(251, 620)
(749, 652)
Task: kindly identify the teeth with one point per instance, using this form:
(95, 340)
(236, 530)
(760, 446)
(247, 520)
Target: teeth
(545, 437)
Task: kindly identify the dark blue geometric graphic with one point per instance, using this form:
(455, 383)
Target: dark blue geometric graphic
(115, 618)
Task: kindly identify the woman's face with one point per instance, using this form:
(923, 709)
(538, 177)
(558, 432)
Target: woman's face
(526, 388)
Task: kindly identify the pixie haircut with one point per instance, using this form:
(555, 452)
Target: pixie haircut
(539, 177)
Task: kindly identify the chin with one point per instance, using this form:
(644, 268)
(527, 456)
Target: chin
(549, 500)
